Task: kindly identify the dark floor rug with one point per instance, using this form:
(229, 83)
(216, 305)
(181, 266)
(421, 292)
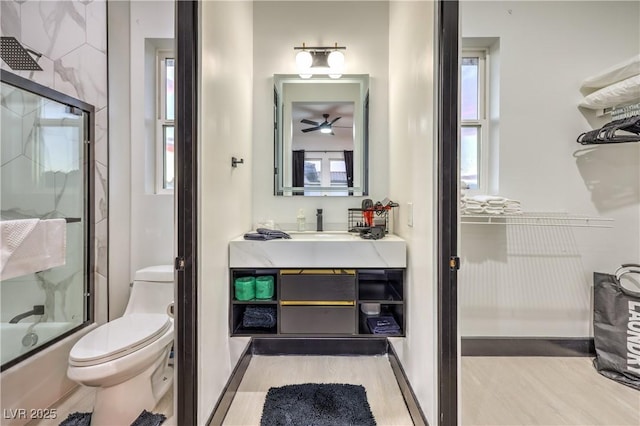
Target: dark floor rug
(317, 405)
(144, 419)
(77, 419)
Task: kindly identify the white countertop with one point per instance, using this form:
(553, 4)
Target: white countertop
(319, 250)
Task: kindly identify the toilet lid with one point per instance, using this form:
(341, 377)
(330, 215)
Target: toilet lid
(118, 338)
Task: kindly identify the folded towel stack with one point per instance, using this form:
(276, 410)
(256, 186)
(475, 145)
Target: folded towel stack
(489, 204)
(385, 324)
(266, 234)
(259, 317)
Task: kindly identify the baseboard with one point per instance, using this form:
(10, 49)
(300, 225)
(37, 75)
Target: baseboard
(230, 389)
(409, 396)
(316, 346)
(528, 346)
(319, 346)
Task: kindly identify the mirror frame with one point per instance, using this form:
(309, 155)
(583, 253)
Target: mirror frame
(361, 136)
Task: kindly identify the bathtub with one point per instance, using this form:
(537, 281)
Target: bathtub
(12, 336)
(41, 379)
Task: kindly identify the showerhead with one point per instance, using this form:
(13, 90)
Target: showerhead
(16, 56)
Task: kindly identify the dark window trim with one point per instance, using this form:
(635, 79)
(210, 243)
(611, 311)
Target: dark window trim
(447, 116)
(186, 191)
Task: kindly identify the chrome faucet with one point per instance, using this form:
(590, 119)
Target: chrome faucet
(37, 310)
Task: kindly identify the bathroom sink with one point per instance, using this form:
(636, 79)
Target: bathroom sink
(310, 249)
(323, 236)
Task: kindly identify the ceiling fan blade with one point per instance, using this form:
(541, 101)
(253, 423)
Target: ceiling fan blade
(334, 120)
(305, 121)
(310, 129)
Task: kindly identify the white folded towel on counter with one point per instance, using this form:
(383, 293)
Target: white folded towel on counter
(31, 245)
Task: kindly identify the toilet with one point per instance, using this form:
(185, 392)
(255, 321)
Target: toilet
(127, 359)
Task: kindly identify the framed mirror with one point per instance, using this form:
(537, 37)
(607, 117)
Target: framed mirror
(321, 135)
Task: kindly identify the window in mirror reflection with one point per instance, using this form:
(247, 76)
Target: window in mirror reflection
(472, 118)
(324, 169)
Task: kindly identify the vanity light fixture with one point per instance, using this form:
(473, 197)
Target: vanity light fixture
(322, 60)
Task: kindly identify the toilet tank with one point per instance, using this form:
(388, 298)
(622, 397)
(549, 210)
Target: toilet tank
(152, 290)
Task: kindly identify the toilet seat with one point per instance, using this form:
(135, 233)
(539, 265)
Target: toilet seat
(118, 338)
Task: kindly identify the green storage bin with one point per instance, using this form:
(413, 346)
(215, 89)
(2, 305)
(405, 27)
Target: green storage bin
(245, 288)
(264, 287)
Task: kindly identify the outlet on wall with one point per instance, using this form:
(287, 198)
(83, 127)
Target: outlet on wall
(410, 214)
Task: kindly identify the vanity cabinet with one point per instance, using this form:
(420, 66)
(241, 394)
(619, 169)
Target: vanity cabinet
(327, 302)
(317, 301)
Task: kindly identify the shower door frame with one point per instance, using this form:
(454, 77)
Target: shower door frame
(88, 180)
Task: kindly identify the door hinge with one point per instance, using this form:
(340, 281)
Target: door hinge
(454, 263)
(180, 263)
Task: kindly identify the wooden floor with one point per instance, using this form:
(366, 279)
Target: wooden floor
(81, 400)
(496, 391)
(372, 372)
(547, 391)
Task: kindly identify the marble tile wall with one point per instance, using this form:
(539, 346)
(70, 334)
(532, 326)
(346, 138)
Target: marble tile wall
(71, 36)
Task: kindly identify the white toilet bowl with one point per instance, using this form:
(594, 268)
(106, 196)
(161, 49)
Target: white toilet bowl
(127, 359)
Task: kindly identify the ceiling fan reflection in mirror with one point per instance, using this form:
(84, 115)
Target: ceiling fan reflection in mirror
(325, 127)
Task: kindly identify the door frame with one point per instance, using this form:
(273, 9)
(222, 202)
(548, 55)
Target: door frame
(186, 192)
(447, 27)
(447, 45)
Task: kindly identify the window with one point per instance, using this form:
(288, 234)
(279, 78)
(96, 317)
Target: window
(165, 129)
(324, 169)
(338, 172)
(473, 120)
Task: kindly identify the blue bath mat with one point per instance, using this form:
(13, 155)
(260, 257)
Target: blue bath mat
(318, 405)
(144, 419)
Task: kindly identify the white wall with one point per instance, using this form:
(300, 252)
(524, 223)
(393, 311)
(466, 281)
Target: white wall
(536, 281)
(224, 198)
(142, 234)
(120, 155)
(279, 26)
(412, 165)
(152, 215)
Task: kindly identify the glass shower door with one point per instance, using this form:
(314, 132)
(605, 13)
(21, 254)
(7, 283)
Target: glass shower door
(44, 202)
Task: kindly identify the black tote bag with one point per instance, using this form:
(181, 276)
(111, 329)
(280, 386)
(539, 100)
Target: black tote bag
(616, 327)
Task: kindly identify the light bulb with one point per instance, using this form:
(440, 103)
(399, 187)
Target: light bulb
(336, 60)
(303, 60)
(325, 130)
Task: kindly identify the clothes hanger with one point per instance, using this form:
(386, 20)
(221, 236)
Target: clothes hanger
(609, 133)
